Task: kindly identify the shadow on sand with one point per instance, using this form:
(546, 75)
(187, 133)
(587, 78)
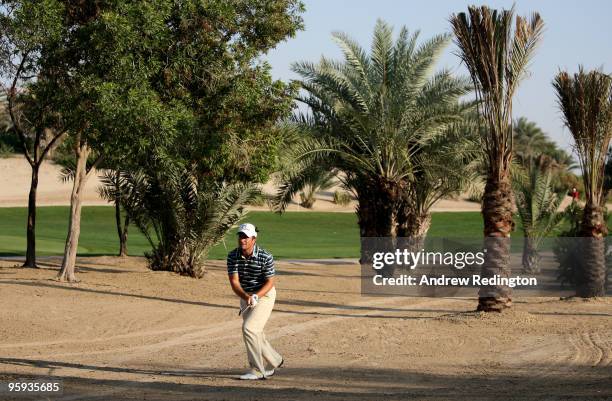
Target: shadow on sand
(550, 382)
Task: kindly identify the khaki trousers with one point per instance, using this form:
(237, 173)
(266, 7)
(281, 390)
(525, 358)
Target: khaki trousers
(259, 351)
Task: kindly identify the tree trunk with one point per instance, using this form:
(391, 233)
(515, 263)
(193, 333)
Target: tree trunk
(531, 258)
(31, 226)
(591, 276)
(498, 223)
(74, 226)
(377, 209)
(123, 237)
(377, 219)
(121, 232)
(412, 228)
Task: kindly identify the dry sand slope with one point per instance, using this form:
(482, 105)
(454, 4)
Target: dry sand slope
(127, 333)
(15, 183)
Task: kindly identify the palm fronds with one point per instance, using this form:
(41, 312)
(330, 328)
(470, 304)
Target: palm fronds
(181, 217)
(537, 203)
(496, 58)
(373, 116)
(585, 100)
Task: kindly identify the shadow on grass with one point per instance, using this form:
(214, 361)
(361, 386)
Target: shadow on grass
(533, 382)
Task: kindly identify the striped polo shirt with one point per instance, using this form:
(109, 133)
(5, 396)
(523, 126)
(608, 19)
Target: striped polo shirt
(252, 271)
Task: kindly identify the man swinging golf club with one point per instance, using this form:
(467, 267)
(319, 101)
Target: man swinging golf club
(251, 275)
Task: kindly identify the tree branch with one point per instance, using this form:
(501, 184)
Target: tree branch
(50, 146)
(11, 98)
(95, 164)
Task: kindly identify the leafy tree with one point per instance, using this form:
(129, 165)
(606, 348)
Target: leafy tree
(379, 119)
(497, 59)
(536, 204)
(585, 100)
(28, 32)
(169, 85)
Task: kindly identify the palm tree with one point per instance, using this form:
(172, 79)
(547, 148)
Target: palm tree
(496, 58)
(182, 217)
(585, 100)
(111, 190)
(536, 204)
(528, 141)
(371, 117)
(321, 180)
(446, 165)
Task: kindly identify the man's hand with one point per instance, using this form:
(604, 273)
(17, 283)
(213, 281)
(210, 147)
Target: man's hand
(252, 301)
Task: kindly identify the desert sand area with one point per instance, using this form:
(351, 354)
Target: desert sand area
(127, 333)
(15, 178)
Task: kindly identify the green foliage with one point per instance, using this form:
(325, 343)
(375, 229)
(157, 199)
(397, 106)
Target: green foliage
(475, 195)
(530, 143)
(379, 118)
(532, 147)
(29, 32)
(172, 88)
(6, 150)
(259, 199)
(342, 198)
(320, 180)
(536, 204)
(9, 144)
(182, 218)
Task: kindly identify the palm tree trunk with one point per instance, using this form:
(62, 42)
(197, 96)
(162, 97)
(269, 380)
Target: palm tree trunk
(412, 228)
(31, 226)
(592, 275)
(531, 258)
(377, 219)
(377, 210)
(498, 223)
(74, 227)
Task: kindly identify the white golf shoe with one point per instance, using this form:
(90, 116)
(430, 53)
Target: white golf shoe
(252, 375)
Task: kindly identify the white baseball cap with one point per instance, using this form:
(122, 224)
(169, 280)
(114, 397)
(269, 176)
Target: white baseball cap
(248, 229)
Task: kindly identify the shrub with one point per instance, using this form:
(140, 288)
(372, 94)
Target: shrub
(341, 198)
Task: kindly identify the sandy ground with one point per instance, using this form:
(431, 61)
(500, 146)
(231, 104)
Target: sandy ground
(126, 333)
(15, 177)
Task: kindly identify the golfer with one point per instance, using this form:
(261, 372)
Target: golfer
(251, 275)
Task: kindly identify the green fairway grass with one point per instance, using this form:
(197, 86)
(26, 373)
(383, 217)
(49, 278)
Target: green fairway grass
(293, 235)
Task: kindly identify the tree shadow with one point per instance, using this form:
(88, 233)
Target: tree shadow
(545, 381)
(571, 314)
(331, 306)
